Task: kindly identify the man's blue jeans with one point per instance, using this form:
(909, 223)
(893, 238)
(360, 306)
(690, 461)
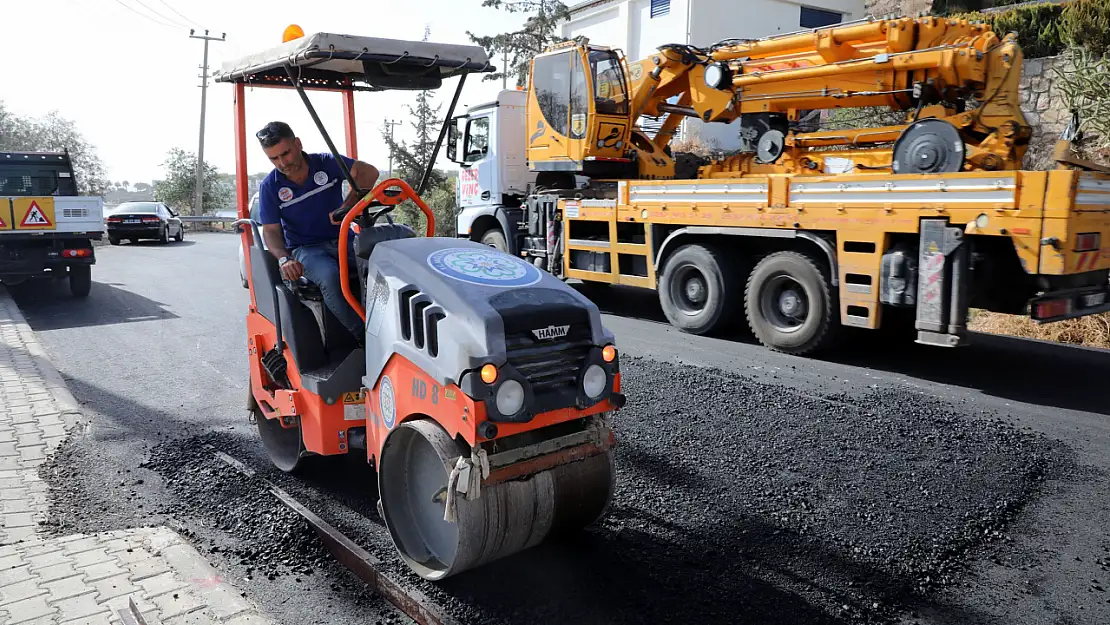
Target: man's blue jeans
(321, 266)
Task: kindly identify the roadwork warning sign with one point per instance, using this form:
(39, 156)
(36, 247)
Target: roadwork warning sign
(34, 213)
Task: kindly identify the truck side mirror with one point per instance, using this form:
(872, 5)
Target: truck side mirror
(452, 140)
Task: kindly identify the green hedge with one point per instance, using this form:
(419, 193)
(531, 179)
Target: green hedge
(1038, 27)
(1049, 29)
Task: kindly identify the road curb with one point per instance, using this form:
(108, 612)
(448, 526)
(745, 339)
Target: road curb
(55, 383)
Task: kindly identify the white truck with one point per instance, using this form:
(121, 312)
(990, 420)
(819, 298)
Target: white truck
(46, 228)
(494, 178)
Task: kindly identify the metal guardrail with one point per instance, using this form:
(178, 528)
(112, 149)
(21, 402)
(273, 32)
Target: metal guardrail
(207, 219)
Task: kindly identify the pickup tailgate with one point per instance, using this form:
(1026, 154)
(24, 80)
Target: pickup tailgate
(60, 214)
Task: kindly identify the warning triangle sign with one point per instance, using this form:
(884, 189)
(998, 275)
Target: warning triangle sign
(35, 217)
(3, 224)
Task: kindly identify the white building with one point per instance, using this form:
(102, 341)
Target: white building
(639, 27)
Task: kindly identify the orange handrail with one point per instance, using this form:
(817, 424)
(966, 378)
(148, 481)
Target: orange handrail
(378, 193)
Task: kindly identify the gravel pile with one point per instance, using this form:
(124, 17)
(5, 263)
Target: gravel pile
(737, 501)
(276, 540)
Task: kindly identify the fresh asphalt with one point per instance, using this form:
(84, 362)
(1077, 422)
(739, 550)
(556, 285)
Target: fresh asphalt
(888, 482)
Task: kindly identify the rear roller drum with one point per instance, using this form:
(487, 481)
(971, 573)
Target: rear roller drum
(284, 446)
(507, 518)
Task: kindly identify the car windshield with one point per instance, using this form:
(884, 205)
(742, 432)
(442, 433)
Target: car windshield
(137, 207)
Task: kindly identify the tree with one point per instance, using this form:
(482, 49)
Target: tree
(538, 32)
(142, 187)
(54, 133)
(178, 189)
(410, 161)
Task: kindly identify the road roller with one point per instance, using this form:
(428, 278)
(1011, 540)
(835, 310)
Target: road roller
(482, 388)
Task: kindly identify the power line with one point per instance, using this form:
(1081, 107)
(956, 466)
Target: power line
(143, 15)
(179, 13)
(147, 7)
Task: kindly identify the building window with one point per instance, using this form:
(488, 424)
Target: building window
(660, 8)
(816, 18)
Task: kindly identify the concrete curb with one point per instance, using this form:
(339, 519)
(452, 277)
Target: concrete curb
(166, 575)
(55, 383)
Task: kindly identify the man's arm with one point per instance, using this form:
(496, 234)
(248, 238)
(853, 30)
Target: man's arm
(273, 234)
(366, 176)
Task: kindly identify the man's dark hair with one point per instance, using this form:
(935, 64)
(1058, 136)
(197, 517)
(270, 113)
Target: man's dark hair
(273, 132)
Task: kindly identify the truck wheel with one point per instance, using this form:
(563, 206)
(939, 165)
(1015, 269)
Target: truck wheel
(790, 304)
(698, 289)
(494, 238)
(80, 280)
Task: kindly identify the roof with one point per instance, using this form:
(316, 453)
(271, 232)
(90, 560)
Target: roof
(586, 4)
(368, 63)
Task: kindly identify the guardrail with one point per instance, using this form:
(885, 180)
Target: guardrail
(209, 222)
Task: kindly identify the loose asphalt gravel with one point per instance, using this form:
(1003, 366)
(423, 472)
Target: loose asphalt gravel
(778, 490)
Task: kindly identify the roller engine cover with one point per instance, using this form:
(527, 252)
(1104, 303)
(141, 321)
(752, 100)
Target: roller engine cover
(450, 306)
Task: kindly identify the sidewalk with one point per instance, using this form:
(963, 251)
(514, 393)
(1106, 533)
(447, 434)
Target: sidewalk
(87, 579)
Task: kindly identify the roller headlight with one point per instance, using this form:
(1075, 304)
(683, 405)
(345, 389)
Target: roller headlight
(593, 381)
(510, 397)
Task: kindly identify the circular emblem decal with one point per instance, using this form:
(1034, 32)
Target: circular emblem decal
(484, 267)
(386, 404)
(285, 194)
(321, 177)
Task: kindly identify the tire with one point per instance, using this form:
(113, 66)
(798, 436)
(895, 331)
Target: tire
(791, 279)
(495, 239)
(113, 240)
(698, 289)
(180, 236)
(80, 280)
(164, 238)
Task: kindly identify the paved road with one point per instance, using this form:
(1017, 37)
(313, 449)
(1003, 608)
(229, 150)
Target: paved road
(156, 353)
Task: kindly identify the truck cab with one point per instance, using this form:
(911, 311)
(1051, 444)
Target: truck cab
(46, 228)
(487, 142)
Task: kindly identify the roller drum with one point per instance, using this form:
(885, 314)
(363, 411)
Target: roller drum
(509, 517)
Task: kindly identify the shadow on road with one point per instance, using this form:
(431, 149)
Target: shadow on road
(48, 305)
(1034, 372)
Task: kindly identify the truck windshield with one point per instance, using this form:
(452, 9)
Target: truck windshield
(610, 93)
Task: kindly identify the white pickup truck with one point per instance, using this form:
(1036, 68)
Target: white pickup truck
(46, 229)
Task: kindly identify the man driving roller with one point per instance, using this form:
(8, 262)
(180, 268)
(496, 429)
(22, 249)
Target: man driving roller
(296, 201)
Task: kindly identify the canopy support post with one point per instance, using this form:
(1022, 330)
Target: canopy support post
(323, 131)
(442, 133)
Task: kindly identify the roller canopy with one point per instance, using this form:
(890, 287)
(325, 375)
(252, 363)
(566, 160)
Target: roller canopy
(357, 63)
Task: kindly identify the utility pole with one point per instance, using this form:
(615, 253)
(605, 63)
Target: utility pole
(504, 69)
(197, 208)
(391, 124)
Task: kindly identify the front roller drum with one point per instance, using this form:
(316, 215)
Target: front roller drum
(506, 518)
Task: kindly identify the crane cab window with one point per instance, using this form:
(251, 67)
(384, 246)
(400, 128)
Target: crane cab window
(610, 95)
(477, 139)
(551, 76)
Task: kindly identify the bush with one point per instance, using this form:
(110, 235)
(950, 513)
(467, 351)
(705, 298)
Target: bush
(1038, 28)
(1086, 24)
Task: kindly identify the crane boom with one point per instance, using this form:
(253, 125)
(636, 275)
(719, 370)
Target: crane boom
(957, 81)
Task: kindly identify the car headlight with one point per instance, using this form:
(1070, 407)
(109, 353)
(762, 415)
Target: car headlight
(593, 381)
(510, 397)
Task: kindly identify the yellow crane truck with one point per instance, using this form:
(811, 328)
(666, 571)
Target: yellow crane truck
(804, 230)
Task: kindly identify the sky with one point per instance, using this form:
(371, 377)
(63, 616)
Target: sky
(129, 77)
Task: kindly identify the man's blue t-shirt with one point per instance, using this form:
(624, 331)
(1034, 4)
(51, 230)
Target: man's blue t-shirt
(303, 211)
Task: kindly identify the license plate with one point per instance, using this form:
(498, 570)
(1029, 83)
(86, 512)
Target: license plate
(132, 221)
(1094, 299)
